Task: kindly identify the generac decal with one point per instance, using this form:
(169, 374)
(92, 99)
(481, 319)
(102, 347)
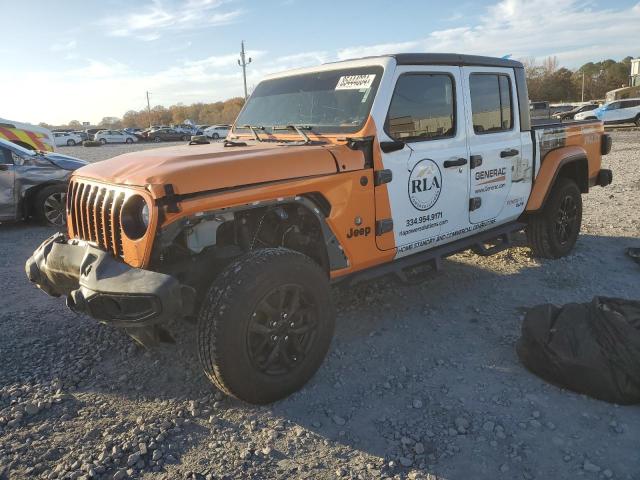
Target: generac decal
(491, 176)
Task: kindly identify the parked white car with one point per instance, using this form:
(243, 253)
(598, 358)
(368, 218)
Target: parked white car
(620, 111)
(114, 136)
(62, 139)
(587, 114)
(217, 131)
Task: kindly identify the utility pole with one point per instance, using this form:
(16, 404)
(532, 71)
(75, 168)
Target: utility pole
(243, 63)
(148, 109)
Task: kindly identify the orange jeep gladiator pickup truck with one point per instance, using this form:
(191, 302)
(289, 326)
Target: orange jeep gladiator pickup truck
(340, 172)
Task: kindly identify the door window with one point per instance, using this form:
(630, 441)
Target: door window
(491, 103)
(422, 108)
(5, 156)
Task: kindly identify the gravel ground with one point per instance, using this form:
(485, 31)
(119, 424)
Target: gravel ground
(421, 381)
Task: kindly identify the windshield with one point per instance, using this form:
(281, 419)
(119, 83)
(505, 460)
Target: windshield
(333, 101)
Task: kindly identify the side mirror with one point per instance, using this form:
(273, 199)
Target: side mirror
(17, 159)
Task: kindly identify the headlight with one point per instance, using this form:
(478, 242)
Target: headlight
(135, 217)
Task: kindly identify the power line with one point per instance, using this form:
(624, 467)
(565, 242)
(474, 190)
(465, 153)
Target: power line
(243, 63)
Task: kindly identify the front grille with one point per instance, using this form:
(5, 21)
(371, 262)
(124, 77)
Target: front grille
(94, 215)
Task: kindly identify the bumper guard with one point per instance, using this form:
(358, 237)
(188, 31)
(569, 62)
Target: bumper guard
(105, 288)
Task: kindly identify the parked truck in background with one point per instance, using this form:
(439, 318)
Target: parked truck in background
(332, 174)
(539, 111)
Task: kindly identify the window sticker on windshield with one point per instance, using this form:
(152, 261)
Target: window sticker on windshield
(355, 82)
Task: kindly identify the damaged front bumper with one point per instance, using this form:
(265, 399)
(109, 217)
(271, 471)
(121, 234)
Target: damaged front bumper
(105, 288)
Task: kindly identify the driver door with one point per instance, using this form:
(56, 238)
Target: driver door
(7, 185)
(427, 156)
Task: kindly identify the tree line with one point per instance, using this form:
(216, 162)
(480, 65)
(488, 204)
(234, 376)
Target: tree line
(546, 81)
(216, 113)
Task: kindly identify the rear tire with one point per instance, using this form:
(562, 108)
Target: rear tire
(265, 325)
(215, 136)
(103, 141)
(157, 139)
(637, 122)
(129, 140)
(71, 143)
(553, 232)
(185, 138)
(49, 205)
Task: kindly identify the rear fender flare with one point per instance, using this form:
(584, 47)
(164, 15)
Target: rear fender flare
(570, 162)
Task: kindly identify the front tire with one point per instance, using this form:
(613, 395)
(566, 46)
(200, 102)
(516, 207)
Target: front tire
(129, 140)
(215, 136)
(553, 232)
(49, 205)
(637, 122)
(185, 138)
(157, 139)
(103, 141)
(265, 325)
(71, 143)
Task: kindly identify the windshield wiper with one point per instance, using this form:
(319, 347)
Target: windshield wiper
(254, 129)
(298, 129)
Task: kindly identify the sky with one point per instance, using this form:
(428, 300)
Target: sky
(85, 60)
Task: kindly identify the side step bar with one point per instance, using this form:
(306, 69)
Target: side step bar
(434, 256)
(503, 242)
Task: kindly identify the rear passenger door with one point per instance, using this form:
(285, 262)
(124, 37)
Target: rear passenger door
(493, 133)
(630, 110)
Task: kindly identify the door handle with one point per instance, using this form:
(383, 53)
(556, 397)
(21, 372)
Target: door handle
(455, 163)
(388, 147)
(512, 152)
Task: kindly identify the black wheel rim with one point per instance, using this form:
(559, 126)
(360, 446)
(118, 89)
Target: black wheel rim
(54, 208)
(566, 220)
(282, 330)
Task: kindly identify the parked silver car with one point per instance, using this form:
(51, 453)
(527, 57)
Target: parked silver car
(34, 184)
(114, 136)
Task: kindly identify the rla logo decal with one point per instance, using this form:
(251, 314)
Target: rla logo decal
(425, 184)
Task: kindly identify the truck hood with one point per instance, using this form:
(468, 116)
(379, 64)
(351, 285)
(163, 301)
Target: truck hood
(197, 168)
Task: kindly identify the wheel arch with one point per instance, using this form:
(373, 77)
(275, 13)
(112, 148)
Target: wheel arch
(26, 200)
(312, 205)
(569, 162)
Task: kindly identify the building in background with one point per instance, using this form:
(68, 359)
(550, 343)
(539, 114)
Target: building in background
(634, 77)
(633, 90)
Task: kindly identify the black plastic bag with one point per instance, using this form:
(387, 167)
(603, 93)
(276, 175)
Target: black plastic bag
(591, 348)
